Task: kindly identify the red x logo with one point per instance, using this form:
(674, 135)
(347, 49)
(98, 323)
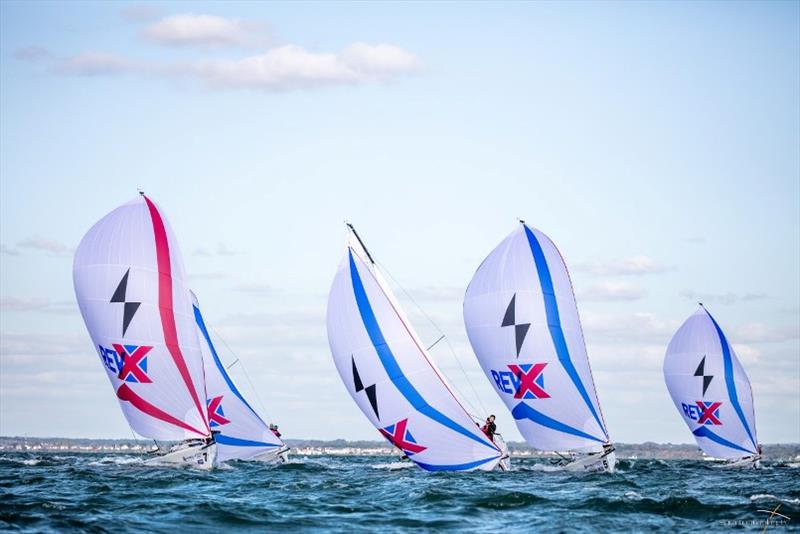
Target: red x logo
(134, 367)
(528, 376)
(710, 413)
(215, 414)
(401, 438)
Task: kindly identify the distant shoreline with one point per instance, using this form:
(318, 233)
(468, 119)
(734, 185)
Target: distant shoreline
(341, 447)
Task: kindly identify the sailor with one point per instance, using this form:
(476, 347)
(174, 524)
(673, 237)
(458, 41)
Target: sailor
(274, 429)
(489, 428)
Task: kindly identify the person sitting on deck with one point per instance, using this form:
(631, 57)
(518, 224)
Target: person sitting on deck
(274, 429)
(489, 428)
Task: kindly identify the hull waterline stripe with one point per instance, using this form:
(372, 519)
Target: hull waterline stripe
(554, 323)
(456, 467)
(704, 432)
(125, 393)
(391, 366)
(166, 309)
(238, 442)
(729, 381)
(523, 411)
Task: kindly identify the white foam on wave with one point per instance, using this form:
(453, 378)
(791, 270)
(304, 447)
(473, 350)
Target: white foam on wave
(632, 495)
(116, 460)
(546, 468)
(24, 461)
(770, 497)
(393, 465)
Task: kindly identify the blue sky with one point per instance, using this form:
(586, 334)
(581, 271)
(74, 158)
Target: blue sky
(655, 143)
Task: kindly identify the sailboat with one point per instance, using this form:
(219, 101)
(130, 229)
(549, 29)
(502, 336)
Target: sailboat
(388, 372)
(238, 430)
(711, 391)
(522, 322)
(131, 289)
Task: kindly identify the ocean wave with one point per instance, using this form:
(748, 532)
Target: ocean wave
(514, 499)
(392, 466)
(770, 497)
(116, 460)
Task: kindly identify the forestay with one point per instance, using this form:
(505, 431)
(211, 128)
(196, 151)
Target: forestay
(238, 430)
(522, 321)
(710, 388)
(131, 289)
(389, 374)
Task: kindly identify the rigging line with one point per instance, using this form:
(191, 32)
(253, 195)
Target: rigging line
(435, 342)
(246, 374)
(227, 367)
(443, 336)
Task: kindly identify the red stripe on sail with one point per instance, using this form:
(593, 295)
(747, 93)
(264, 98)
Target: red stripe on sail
(125, 393)
(165, 304)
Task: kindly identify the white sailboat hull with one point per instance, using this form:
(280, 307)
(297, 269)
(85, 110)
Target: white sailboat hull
(749, 462)
(593, 463)
(505, 460)
(281, 456)
(200, 456)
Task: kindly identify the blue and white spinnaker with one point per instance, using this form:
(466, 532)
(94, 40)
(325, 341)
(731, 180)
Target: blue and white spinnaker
(387, 370)
(522, 321)
(239, 431)
(710, 389)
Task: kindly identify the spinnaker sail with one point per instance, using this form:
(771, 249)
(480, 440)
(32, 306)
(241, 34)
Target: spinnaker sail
(522, 321)
(239, 431)
(710, 388)
(391, 377)
(131, 289)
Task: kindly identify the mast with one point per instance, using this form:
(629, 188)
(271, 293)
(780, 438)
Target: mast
(360, 242)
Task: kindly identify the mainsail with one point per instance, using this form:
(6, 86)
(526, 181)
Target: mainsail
(522, 321)
(389, 374)
(131, 289)
(238, 430)
(710, 388)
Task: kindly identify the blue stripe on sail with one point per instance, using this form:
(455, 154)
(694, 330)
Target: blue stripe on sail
(237, 442)
(199, 320)
(456, 467)
(728, 365)
(523, 411)
(704, 432)
(390, 363)
(554, 322)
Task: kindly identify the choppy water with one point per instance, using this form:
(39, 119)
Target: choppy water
(117, 493)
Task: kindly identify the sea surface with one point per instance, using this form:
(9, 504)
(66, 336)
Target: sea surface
(116, 493)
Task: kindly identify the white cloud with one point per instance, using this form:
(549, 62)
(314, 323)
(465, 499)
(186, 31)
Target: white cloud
(761, 333)
(32, 53)
(220, 250)
(8, 251)
(611, 291)
(628, 328)
(292, 67)
(634, 266)
(379, 60)
(96, 64)
(283, 68)
(256, 289)
(721, 298)
(214, 275)
(203, 30)
(25, 304)
(55, 248)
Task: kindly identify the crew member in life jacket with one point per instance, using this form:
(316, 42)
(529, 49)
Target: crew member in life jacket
(274, 429)
(489, 428)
